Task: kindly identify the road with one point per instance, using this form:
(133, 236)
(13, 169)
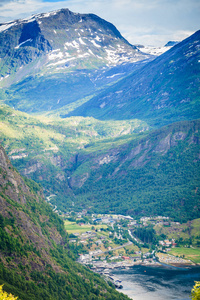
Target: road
(134, 237)
(113, 249)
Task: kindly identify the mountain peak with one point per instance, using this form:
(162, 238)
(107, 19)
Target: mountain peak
(61, 41)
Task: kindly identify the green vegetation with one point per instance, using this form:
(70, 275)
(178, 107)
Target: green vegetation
(72, 227)
(156, 173)
(99, 166)
(146, 234)
(98, 237)
(37, 261)
(196, 291)
(184, 234)
(192, 254)
(116, 166)
(6, 296)
(46, 149)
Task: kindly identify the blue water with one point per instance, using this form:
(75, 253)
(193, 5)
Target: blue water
(157, 283)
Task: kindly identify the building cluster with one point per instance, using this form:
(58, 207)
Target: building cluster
(167, 243)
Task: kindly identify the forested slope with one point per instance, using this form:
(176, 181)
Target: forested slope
(35, 259)
(153, 174)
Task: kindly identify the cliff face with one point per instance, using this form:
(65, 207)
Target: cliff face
(73, 159)
(138, 152)
(35, 259)
(155, 174)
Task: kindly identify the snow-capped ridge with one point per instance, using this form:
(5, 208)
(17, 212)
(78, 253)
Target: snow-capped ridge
(62, 41)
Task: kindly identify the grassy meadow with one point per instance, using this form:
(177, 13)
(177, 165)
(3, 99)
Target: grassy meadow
(73, 227)
(192, 254)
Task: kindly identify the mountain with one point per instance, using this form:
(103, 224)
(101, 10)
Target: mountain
(108, 166)
(164, 91)
(156, 173)
(45, 149)
(140, 156)
(40, 55)
(61, 41)
(35, 259)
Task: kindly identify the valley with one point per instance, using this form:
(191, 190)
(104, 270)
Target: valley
(66, 157)
(99, 156)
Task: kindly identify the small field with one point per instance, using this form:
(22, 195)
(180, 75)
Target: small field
(189, 230)
(73, 227)
(192, 254)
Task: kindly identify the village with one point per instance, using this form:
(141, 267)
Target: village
(106, 241)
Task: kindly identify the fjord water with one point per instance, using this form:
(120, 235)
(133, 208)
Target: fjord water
(157, 283)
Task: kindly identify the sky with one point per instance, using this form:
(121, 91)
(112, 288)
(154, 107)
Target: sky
(146, 22)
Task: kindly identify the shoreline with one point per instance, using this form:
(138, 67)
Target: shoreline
(106, 267)
(116, 276)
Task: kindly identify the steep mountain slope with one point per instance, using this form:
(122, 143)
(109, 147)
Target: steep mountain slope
(57, 39)
(63, 92)
(35, 259)
(40, 55)
(164, 91)
(110, 166)
(45, 149)
(154, 174)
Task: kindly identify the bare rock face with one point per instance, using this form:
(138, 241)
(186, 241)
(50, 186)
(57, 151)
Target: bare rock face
(32, 168)
(79, 180)
(10, 180)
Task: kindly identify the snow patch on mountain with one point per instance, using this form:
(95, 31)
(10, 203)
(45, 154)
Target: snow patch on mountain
(152, 50)
(55, 54)
(98, 39)
(73, 44)
(29, 40)
(90, 51)
(114, 75)
(60, 62)
(81, 41)
(7, 26)
(96, 45)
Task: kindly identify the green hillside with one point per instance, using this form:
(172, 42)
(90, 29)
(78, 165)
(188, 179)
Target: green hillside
(155, 174)
(46, 149)
(36, 261)
(108, 166)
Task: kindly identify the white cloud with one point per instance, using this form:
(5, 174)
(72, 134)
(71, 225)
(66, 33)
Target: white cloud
(139, 21)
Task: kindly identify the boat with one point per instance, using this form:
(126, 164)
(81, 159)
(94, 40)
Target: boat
(118, 286)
